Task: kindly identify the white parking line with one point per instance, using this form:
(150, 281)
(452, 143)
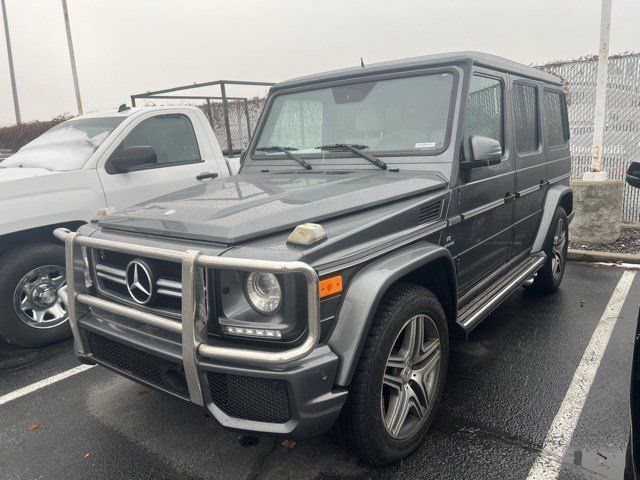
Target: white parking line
(548, 464)
(21, 392)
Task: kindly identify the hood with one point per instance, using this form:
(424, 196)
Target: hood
(248, 206)
(8, 174)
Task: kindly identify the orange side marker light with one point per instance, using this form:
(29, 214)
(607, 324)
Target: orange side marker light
(330, 286)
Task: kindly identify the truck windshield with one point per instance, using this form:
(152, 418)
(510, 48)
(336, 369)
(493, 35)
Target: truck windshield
(401, 116)
(67, 146)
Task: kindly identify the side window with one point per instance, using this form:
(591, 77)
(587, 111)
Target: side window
(171, 135)
(525, 117)
(484, 111)
(556, 132)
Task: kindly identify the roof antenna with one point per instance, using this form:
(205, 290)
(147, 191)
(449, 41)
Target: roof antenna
(361, 62)
(123, 108)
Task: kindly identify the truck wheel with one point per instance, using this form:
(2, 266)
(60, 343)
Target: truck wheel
(31, 313)
(399, 379)
(549, 277)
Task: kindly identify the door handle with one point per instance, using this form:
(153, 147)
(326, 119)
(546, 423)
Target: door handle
(508, 197)
(206, 175)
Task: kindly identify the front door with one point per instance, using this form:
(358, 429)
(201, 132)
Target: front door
(180, 160)
(486, 194)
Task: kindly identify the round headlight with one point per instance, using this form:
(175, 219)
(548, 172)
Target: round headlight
(264, 292)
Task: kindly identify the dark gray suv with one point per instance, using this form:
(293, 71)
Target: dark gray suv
(379, 211)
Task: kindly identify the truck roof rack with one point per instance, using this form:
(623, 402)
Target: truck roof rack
(222, 127)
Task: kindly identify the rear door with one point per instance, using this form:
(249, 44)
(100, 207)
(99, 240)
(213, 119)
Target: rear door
(556, 136)
(180, 158)
(486, 193)
(529, 156)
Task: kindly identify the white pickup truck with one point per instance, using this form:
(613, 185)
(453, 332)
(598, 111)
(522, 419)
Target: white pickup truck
(62, 178)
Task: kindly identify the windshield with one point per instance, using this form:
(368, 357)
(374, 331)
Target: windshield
(407, 116)
(67, 146)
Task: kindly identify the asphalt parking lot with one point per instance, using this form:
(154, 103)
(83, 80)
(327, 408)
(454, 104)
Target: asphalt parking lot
(505, 389)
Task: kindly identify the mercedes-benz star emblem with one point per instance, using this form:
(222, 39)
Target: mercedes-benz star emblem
(139, 282)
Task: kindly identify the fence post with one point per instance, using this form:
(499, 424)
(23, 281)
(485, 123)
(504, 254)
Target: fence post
(246, 112)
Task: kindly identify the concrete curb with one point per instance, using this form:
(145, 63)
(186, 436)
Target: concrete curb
(593, 256)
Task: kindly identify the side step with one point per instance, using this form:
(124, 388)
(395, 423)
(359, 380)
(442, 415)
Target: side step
(472, 314)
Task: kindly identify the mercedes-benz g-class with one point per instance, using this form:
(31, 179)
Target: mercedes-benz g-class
(378, 211)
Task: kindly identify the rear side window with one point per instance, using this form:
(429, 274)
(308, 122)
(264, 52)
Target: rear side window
(171, 135)
(525, 117)
(484, 111)
(554, 119)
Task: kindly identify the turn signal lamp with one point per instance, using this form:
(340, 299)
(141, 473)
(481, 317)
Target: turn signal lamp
(330, 286)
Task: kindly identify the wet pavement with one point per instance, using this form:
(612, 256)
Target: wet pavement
(504, 388)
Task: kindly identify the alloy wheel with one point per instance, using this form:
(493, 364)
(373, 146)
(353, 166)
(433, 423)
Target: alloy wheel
(558, 250)
(411, 376)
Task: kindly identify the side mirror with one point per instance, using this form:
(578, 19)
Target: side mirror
(485, 152)
(633, 174)
(128, 159)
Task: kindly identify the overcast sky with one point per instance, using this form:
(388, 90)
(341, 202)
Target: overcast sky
(129, 46)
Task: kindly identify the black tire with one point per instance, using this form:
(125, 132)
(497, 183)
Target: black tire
(629, 473)
(361, 425)
(549, 277)
(14, 265)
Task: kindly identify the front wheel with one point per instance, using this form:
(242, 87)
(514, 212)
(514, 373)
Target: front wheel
(399, 379)
(31, 312)
(556, 245)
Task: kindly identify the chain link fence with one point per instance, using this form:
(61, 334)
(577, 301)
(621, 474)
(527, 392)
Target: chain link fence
(621, 144)
(238, 123)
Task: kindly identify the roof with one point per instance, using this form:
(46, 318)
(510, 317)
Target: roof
(130, 111)
(477, 58)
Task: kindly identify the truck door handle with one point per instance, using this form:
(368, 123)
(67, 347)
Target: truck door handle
(508, 197)
(206, 175)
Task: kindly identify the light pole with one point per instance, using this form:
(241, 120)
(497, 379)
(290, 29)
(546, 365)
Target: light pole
(12, 73)
(72, 56)
(595, 170)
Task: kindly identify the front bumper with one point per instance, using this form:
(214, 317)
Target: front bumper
(284, 392)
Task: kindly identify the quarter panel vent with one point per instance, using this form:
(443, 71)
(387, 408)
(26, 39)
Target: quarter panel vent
(430, 212)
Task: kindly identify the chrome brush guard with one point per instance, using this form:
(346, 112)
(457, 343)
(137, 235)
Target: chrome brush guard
(192, 327)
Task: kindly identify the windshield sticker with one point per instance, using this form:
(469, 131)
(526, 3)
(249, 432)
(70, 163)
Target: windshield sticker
(425, 145)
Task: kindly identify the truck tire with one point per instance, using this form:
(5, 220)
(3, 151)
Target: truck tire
(31, 313)
(398, 382)
(556, 244)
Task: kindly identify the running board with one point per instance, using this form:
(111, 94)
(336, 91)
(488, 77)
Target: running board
(471, 315)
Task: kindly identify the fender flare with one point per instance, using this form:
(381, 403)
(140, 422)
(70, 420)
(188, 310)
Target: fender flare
(363, 296)
(554, 196)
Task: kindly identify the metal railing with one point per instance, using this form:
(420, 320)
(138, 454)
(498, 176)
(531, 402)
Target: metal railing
(235, 134)
(193, 343)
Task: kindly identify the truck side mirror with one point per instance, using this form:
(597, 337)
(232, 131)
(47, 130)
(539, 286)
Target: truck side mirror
(633, 174)
(485, 151)
(128, 159)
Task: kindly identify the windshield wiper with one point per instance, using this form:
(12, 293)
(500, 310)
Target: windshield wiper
(287, 152)
(354, 148)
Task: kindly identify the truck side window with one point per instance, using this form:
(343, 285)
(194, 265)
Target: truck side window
(484, 111)
(555, 122)
(525, 117)
(171, 135)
